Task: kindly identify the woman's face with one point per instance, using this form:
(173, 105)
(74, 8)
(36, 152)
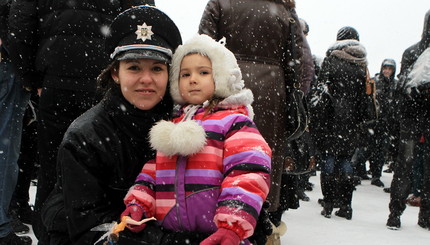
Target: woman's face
(143, 82)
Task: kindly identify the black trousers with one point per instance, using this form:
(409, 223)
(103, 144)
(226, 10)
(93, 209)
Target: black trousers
(57, 110)
(402, 182)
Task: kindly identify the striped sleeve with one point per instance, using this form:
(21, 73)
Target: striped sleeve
(143, 191)
(246, 167)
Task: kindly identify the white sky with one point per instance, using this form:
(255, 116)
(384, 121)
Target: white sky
(386, 27)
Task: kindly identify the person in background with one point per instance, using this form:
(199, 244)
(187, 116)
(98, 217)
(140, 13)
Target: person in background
(212, 146)
(105, 148)
(58, 50)
(267, 69)
(20, 210)
(376, 133)
(13, 101)
(335, 133)
(413, 116)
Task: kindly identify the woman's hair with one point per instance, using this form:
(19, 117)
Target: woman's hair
(105, 81)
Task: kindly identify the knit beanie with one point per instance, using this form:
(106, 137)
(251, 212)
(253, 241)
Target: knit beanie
(226, 72)
(347, 32)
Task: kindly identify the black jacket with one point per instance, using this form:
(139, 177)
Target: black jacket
(100, 156)
(343, 70)
(61, 42)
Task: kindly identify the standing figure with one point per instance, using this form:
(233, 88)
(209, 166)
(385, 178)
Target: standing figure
(261, 33)
(58, 50)
(414, 114)
(211, 174)
(105, 148)
(13, 101)
(376, 133)
(336, 129)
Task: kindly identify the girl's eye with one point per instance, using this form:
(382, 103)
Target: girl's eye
(185, 75)
(204, 72)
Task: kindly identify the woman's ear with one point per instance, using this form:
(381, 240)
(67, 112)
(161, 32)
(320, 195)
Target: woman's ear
(114, 75)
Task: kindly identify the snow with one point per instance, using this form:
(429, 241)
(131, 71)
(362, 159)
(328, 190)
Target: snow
(367, 227)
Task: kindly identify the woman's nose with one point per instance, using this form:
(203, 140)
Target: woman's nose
(145, 77)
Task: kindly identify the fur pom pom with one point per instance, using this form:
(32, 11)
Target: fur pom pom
(184, 138)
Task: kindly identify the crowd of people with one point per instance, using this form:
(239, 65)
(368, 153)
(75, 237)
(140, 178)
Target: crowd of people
(117, 120)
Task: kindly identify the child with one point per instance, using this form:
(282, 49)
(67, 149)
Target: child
(211, 172)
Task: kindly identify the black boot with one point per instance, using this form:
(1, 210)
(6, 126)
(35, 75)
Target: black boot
(344, 212)
(393, 222)
(327, 209)
(346, 188)
(328, 188)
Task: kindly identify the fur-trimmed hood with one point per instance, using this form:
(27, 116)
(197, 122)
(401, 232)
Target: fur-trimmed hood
(350, 50)
(226, 72)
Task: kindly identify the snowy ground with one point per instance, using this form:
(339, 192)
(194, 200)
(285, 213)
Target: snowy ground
(367, 227)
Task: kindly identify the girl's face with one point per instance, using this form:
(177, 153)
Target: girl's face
(196, 83)
(143, 82)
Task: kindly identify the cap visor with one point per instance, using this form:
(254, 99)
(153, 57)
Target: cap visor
(143, 54)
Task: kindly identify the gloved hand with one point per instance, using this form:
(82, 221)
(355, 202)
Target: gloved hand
(135, 211)
(222, 236)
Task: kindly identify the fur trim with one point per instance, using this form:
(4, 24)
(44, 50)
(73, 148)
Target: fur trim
(226, 71)
(184, 138)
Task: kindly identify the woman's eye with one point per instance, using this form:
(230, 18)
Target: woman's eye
(133, 68)
(157, 68)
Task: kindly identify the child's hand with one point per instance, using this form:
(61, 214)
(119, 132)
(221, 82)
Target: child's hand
(289, 164)
(222, 236)
(312, 163)
(135, 211)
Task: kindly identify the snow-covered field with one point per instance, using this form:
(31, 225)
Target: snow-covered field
(370, 204)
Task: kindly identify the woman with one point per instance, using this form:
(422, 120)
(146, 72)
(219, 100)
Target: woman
(105, 148)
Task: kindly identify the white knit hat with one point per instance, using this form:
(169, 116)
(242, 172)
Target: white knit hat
(226, 72)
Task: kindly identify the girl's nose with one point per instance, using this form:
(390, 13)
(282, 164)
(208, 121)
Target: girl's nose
(193, 79)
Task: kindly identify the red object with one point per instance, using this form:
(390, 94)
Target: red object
(135, 211)
(222, 236)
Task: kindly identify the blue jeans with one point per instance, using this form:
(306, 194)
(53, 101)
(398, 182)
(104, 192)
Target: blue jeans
(332, 164)
(13, 101)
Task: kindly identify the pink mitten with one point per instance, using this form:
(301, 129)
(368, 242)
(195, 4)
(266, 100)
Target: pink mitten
(135, 211)
(222, 236)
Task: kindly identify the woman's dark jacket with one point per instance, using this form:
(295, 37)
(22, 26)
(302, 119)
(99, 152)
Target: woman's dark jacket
(258, 33)
(100, 156)
(336, 130)
(61, 42)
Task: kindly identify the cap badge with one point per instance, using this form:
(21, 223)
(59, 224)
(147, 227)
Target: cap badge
(144, 32)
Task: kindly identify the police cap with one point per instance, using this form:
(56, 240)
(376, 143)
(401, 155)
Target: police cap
(143, 32)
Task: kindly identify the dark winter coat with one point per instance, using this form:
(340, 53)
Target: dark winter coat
(335, 130)
(4, 13)
(257, 33)
(101, 154)
(61, 42)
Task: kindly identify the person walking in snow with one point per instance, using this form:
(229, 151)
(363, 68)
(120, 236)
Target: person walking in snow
(211, 174)
(414, 111)
(105, 148)
(335, 130)
(261, 33)
(376, 133)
